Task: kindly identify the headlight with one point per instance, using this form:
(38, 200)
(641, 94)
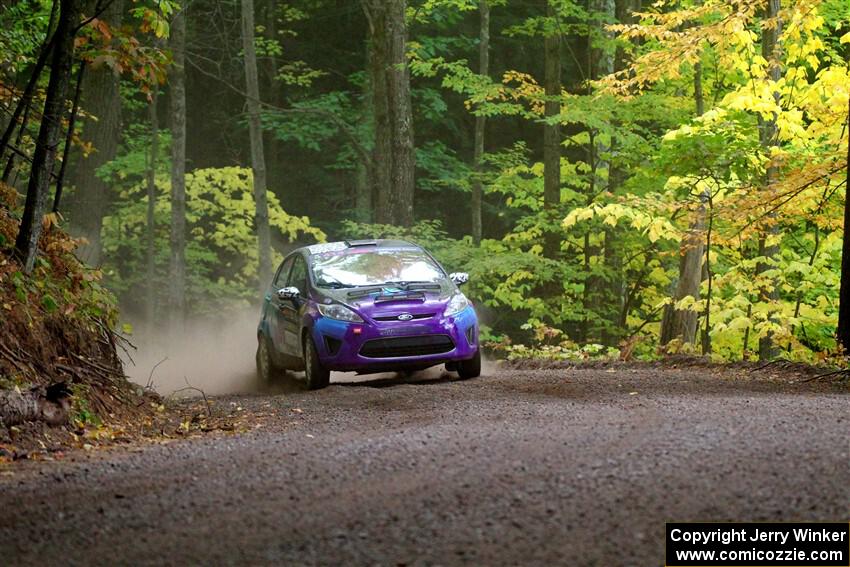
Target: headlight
(457, 303)
(339, 312)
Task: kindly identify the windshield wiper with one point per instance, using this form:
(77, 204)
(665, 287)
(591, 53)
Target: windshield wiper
(403, 286)
(412, 285)
(364, 291)
(335, 284)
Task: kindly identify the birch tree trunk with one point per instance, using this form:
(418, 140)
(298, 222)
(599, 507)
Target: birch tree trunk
(50, 405)
(26, 243)
(480, 121)
(177, 264)
(258, 160)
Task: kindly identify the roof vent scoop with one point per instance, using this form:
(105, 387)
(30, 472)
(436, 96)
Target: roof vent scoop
(354, 243)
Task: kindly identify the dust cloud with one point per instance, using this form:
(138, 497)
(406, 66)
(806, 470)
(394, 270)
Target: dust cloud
(214, 356)
(218, 358)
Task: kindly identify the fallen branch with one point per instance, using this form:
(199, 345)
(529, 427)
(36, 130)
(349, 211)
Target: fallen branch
(115, 338)
(845, 373)
(73, 370)
(783, 363)
(15, 359)
(193, 388)
(124, 343)
(149, 385)
(96, 366)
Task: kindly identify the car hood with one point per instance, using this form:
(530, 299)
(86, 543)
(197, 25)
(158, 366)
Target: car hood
(390, 302)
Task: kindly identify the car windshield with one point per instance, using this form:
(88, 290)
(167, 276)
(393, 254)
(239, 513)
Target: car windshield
(375, 267)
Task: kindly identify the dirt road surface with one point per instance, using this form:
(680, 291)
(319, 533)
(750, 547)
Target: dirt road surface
(531, 467)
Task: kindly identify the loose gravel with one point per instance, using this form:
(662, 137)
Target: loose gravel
(518, 467)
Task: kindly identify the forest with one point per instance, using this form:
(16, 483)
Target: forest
(619, 178)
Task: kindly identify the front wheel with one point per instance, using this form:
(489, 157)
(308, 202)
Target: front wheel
(265, 366)
(318, 376)
(470, 368)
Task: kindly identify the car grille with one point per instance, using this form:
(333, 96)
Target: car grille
(407, 346)
(413, 317)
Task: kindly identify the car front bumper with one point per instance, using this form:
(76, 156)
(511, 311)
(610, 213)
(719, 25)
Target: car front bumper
(341, 344)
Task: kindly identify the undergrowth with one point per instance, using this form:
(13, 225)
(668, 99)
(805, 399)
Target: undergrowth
(56, 325)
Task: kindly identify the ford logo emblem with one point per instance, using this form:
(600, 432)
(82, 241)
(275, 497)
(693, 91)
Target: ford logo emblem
(405, 317)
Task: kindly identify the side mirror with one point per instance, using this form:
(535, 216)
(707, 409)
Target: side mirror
(459, 278)
(288, 293)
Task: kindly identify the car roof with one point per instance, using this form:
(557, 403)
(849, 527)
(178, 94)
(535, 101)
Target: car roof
(359, 245)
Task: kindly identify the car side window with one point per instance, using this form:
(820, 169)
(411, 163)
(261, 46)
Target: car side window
(283, 273)
(298, 276)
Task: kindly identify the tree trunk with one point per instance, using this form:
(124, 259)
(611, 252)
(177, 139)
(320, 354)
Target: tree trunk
(258, 160)
(843, 332)
(607, 179)
(364, 183)
(10, 164)
(618, 311)
(88, 204)
(393, 156)
(770, 139)
(706, 334)
(69, 137)
(623, 12)
(364, 178)
(681, 324)
(480, 120)
(381, 152)
(150, 236)
(401, 116)
(26, 244)
(177, 267)
(273, 89)
(552, 135)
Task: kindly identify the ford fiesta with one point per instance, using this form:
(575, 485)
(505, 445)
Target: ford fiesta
(365, 306)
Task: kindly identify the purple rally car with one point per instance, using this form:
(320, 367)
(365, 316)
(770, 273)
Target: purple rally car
(365, 306)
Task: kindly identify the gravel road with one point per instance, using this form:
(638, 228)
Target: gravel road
(518, 467)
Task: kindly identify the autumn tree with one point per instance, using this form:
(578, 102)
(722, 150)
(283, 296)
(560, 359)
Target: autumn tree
(681, 324)
(101, 134)
(26, 243)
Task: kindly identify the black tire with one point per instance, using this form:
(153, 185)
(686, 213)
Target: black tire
(318, 376)
(267, 372)
(470, 368)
